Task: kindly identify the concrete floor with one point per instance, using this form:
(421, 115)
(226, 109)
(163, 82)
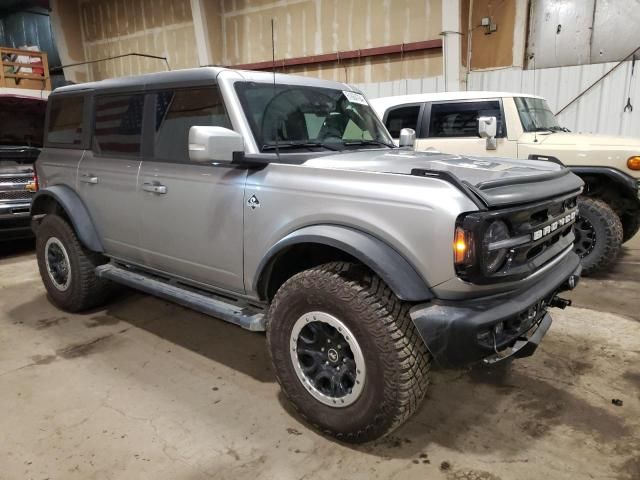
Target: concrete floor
(146, 389)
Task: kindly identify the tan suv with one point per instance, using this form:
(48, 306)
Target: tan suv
(522, 126)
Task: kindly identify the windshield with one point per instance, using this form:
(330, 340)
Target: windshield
(535, 115)
(21, 121)
(303, 117)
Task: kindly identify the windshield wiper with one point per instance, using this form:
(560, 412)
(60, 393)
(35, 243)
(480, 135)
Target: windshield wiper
(290, 145)
(543, 129)
(559, 129)
(368, 142)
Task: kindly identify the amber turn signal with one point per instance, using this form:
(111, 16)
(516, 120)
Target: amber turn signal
(633, 163)
(462, 248)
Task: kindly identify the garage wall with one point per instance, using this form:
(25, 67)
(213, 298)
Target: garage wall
(240, 33)
(191, 33)
(576, 32)
(157, 27)
(29, 28)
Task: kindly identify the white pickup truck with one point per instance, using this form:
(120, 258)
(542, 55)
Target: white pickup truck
(522, 126)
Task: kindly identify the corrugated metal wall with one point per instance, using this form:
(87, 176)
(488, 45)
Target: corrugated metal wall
(576, 32)
(601, 110)
(403, 87)
(27, 28)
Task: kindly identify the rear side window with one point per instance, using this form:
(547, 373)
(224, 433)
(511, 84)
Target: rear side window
(65, 120)
(179, 110)
(118, 124)
(461, 119)
(402, 117)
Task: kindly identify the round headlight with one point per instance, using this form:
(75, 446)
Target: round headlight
(494, 257)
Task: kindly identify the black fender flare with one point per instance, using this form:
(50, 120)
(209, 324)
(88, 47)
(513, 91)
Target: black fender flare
(627, 183)
(381, 258)
(75, 209)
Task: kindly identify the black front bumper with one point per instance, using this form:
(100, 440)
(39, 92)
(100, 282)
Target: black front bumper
(497, 327)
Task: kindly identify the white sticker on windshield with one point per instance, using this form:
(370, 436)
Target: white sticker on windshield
(354, 97)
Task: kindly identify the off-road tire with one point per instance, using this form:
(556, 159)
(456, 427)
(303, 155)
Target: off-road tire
(397, 361)
(608, 235)
(85, 289)
(630, 225)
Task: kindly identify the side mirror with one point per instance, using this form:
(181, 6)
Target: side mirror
(407, 137)
(214, 144)
(487, 128)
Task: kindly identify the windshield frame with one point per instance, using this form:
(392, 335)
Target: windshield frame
(383, 138)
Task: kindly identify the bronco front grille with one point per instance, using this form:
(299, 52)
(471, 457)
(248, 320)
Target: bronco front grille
(538, 233)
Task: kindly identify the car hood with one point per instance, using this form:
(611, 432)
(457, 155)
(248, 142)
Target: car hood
(473, 170)
(496, 181)
(586, 140)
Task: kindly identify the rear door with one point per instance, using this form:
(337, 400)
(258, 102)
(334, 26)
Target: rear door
(191, 215)
(108, 172)
(452, 127)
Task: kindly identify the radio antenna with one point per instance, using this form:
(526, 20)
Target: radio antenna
(273, 70)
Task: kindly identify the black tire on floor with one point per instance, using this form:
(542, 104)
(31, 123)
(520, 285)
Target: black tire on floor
(397, 361)
(84, 289)
(630, 225)
(598, 232)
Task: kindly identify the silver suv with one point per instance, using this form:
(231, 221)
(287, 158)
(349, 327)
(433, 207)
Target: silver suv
(280, 203)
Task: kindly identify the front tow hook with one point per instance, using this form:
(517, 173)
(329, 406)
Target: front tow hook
(559, 302)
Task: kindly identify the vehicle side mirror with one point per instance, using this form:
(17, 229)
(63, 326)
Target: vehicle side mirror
(214, 144)
(407, 137)
(488, 128)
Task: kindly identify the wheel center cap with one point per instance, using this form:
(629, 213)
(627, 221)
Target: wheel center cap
(332, 355)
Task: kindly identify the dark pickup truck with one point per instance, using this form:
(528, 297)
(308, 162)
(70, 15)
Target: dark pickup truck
(21, 124)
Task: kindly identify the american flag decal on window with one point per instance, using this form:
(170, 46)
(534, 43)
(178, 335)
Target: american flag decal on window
(119, 124)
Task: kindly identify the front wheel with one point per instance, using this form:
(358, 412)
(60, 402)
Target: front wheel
(346, 353)
(598, 231)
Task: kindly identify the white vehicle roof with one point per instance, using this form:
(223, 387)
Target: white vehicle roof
(24, 92)
(380, 105)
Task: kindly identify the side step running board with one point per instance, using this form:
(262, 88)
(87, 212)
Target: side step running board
(245, 317)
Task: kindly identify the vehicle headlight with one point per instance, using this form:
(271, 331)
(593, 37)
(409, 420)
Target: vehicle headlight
(493, 255)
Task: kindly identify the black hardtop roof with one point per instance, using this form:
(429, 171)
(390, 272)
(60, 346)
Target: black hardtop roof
(190, 77)
(149, 81)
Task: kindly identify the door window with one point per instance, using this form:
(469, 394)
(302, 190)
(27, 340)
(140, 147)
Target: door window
(402, 117)
(118, 124)
(65, 120)
(461, 119)
(179, 110)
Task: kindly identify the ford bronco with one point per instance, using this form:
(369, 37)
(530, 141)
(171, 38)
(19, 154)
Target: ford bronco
(516, 125)
(280, 204)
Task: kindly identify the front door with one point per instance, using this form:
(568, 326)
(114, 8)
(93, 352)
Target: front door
(452, 127)
(108, 173)
(191, 216)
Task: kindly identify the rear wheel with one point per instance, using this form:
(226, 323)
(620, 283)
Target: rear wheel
(598, 233)
(67, 268)
(346, 353)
